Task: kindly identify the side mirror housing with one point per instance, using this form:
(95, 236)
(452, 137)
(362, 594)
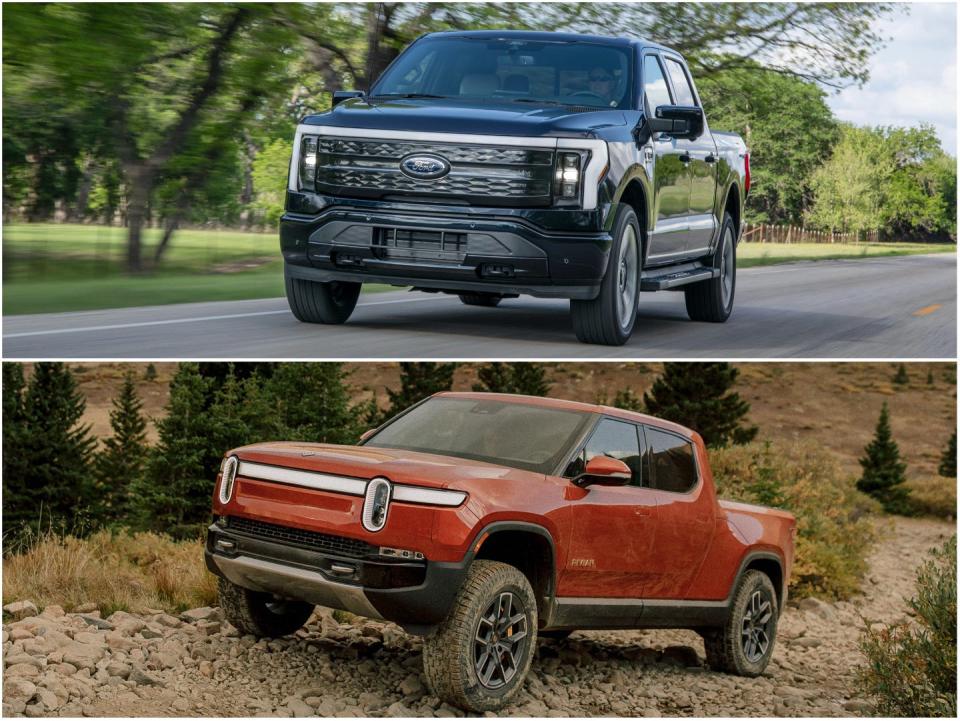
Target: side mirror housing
(604, 471)
(367, 433)
(340, 95)
(680, 121)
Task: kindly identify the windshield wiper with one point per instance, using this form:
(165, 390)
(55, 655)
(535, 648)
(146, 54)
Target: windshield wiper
(537, 102)
(407, 95)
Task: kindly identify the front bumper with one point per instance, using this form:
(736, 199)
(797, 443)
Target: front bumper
(442, 247)
(415, 594)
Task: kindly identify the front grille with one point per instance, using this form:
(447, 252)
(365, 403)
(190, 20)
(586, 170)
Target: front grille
(323, 542)
(480, 174)
(401, 244)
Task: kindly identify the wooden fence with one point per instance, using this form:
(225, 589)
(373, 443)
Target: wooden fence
(765, 233)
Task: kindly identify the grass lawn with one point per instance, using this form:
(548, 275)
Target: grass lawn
(51, 268)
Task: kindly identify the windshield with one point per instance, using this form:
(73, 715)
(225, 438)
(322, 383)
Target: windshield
(565, 73)
(528, 437)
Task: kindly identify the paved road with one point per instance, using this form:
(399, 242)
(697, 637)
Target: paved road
(881, 308)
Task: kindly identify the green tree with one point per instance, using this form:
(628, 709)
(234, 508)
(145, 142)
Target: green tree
(948, 460)
(48, 481)
(901, 378)
(311, 402)
(174, 493)
(270, 168)
(418, 381)
(699, 396)
(625, 398)
(121, 461)
(884, 474)
(529, 379)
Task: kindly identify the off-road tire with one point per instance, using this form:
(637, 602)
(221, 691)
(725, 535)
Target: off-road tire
(448, 653)
(708, 300)
(260, 614)
(599, 320)
(484, 300)
(314, 302)
(724, 646)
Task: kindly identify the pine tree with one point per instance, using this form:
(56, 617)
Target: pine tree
(625, 399)
(121, 461)
(948, 461)
(173, 496)
(311, 402)
(901, 378)
(698, 396)
(929, 377)
(418, 381)
(884, 474)
(529, 379)
(47, 480)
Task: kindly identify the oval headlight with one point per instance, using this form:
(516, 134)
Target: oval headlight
(376, 503)
(228, 474)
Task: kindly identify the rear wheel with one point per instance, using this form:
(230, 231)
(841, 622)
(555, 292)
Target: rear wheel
(744, 645)
(485, 300)
(261, 614)
(480, 654)
(315, 302)
(608, 319)
(712, 300)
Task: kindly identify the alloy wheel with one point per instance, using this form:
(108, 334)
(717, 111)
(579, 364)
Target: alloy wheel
(755, 629)
(500, 641)
(627, 277)
(727, 267)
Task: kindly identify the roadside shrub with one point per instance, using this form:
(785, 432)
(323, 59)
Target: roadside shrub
(933, 496)
(116, 570)
(834, 532)
(912, 669)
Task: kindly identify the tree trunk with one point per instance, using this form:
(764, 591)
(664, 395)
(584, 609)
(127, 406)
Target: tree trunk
(139, 194)
(79, 209)
(170, 226)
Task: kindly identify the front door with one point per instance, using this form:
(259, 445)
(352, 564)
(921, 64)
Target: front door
(612, 525)
(671, 201)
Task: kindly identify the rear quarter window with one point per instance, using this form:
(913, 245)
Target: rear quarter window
(672, 464)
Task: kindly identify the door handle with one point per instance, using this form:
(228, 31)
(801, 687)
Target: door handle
(710, 158)
(685, 157)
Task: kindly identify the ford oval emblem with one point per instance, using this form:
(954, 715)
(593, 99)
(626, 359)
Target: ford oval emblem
(424, 167)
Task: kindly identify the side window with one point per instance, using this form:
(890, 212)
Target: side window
(618, 440)
(681, 84)
(654, 84)
(672, 465)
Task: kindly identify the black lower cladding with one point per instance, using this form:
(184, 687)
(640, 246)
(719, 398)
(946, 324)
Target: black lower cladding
(445, 247)
(417, 593)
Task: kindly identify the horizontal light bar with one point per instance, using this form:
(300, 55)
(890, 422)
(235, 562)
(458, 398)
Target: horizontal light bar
(349, 486)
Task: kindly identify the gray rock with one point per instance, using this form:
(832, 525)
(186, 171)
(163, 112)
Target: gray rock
(35, 710)
(299, 708)
(165, 619)
(21, 609)
(142, 678)
(149, 633)
(17, 658)
(821, 608)
(858, 706)
(96, 622)
(208, 628)
(199, 614)
(83, 655)
(22, 670)
(115, 668)
(53, 611)
(85, 608)
(412, 686)
(807, 642)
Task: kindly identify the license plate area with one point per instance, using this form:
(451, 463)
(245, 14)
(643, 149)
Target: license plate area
(413, 244)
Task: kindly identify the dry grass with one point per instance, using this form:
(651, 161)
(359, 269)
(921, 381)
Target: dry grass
(115, 570)
(934, 496)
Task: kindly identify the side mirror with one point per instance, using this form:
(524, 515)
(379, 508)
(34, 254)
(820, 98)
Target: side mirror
(366, 434)
(604, 471)
(340, 95)
(680, 121)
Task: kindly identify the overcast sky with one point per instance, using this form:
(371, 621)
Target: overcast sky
(914, 78)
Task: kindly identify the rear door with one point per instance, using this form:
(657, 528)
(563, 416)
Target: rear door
(612, 535)
(671, 175)
(686, 508)
(702, 161)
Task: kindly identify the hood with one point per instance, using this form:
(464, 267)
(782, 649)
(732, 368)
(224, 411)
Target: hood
(399, 466)
(464, 117)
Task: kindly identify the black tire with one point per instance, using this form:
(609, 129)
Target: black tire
(712, 300)
(261, 614)
(731, 648)
(315, 302)
(485, 300)
(608, 319)
(558, 635)
(452, 654)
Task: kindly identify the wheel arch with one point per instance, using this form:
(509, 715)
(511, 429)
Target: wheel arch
(771, 565)
(634, 193)
(529, 548)
(734, 207)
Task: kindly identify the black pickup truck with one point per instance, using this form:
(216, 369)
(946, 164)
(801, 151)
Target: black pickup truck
(491, 164)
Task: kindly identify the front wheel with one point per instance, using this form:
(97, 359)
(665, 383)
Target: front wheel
(261, 614)
(315, 302)
(608, 319)
(712, 300)
(744, 645)
(480, 654)
(484, 300)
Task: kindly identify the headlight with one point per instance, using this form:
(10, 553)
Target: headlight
(308, 163)
(566, 186)
(228, 474)
(376, 503)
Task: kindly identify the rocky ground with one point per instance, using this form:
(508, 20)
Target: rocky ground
(155, 664)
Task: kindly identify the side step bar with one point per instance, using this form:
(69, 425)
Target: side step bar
(674, 276)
